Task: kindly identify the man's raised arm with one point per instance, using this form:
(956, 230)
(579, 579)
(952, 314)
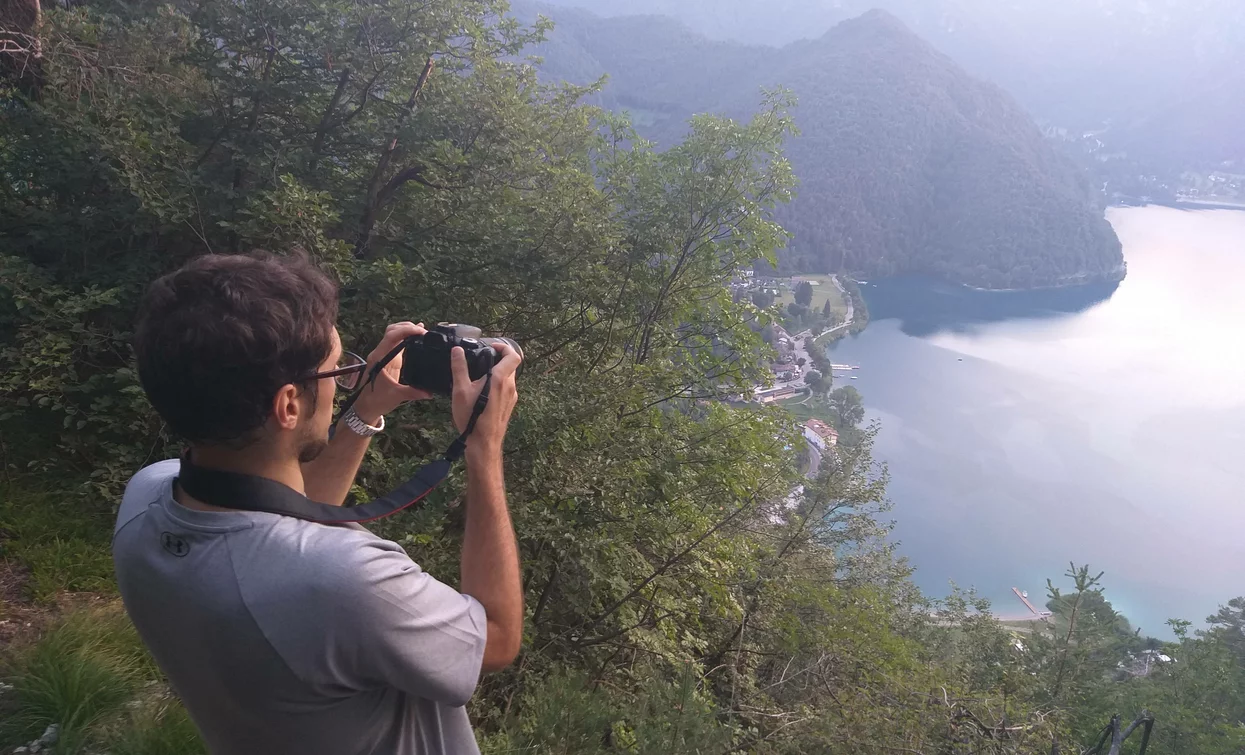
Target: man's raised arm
(328, 477)
(490, 560)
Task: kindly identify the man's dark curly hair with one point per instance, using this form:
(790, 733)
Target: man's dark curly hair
(218, 338)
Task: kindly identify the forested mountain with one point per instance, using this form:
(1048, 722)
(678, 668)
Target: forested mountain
(1081, 65)
(905, 162)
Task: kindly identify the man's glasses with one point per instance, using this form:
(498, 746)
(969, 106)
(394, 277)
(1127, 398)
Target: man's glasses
(348, 373)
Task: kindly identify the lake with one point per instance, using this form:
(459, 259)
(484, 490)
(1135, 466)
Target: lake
(1102, 425)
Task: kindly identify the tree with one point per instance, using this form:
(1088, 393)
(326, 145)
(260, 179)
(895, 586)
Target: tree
(827, 311)
(1228, 626)
(801, 362)
(762, 299)
(769, 335)
(804, 293)
(815, 381)
(848, 406)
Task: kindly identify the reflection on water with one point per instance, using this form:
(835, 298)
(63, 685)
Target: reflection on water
(1105, 426)
(924, 306)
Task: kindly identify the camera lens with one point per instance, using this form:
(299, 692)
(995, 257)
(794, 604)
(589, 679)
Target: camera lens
(508, 341)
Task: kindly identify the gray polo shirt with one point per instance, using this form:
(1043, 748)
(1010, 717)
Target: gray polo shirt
(284, 636)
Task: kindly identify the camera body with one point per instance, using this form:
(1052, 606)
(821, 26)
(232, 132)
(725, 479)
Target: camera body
(426, 359)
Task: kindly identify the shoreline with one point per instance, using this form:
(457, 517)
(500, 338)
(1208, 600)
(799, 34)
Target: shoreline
(1188, 204)
(1121, 275)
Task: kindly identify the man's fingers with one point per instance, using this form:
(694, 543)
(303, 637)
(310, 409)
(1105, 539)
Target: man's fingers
(415, 394)
(510, 360)
(395, 334)
(458, 369)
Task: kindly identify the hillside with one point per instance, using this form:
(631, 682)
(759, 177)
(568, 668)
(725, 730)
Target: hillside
(1203, 128)
(1072, 63)
(906, 163)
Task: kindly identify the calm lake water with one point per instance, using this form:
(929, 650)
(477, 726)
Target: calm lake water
(1102, 425)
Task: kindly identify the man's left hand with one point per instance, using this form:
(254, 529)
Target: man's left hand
(387, 393)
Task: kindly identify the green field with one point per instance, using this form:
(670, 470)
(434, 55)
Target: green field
(804, 408)
(823, 290)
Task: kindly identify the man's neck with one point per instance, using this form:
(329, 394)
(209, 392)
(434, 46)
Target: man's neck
(252, 461)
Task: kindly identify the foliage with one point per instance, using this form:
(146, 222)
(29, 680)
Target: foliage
(860, 318)
(906, 163)
(848, 407)
(821, 365)
(816, 381)
(804, 294)
(565, 713)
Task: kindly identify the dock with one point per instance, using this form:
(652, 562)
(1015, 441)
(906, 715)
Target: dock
(1036, 613)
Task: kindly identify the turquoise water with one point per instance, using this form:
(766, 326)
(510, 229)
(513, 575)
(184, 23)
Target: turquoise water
(1101, 425)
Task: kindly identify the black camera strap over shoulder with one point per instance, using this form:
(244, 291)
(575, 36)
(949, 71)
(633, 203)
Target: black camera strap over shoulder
(231, 490)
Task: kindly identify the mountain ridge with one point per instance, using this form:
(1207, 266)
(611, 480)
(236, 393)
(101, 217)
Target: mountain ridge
(907, 164)
(1071, 64)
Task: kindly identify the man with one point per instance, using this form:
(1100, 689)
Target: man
(282, 635)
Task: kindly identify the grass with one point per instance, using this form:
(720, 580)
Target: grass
(79, 673)
(822, 293)
(806, 408)
(86, 669)
(62, 542)
(793, 403)
(91, 675)
(159, 729)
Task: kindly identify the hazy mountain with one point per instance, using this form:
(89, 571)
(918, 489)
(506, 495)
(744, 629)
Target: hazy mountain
(1199, 128)
(906, 163)
(1075, 63)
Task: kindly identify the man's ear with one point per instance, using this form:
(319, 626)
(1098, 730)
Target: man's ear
(286, 407)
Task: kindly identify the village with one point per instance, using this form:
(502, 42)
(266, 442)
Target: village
(797, 372)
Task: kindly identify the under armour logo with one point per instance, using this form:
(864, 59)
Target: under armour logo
(174, 544)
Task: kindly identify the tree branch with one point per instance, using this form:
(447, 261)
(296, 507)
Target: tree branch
(323, 127)
(258, 100)
(377, 182)
(669, 563)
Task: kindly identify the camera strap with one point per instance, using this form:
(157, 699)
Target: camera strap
(231, 490)
(372, 372)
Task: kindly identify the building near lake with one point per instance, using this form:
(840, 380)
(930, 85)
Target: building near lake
(777, 394)
(820, 435)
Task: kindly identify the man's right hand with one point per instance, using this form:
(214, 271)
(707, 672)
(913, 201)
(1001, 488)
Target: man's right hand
(491, 427)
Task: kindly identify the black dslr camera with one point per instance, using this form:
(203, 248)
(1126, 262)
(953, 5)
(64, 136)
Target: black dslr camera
(426, 360)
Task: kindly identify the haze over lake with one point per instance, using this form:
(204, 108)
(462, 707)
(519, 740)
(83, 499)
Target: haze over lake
(1100, 425)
